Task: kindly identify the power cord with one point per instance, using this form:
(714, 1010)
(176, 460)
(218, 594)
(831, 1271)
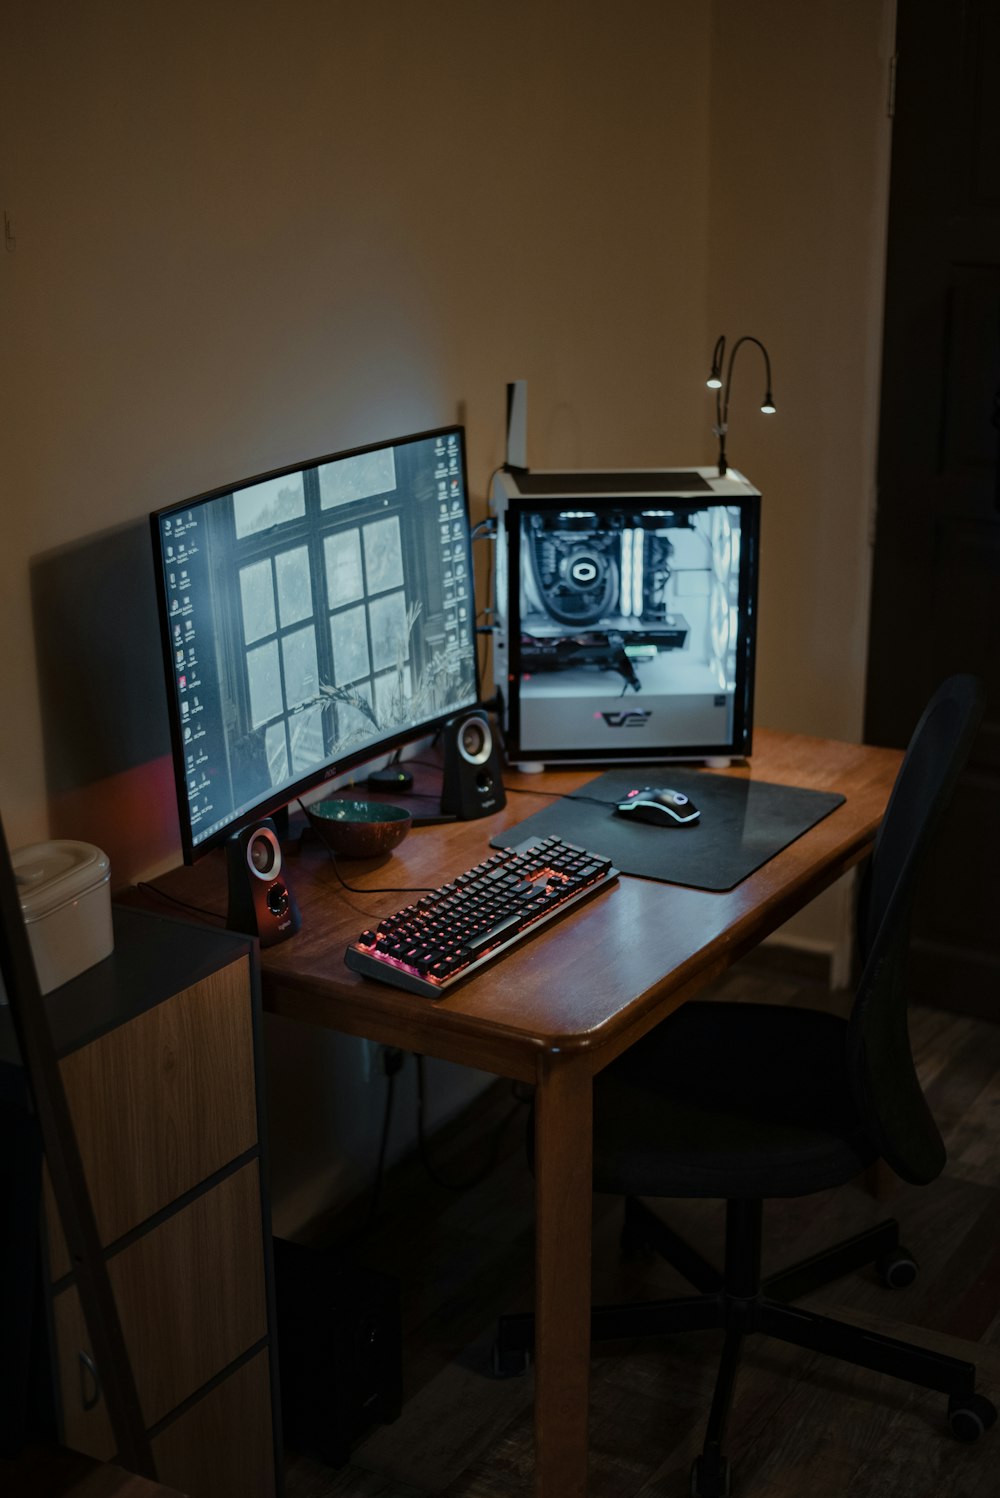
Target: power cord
(160, 894)
(493, 1154)
(488, 528)
(517, 790)
(393, 1062)
(384, 889)
(387, 889)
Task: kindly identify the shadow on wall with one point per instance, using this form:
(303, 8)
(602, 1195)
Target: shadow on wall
(108, 769)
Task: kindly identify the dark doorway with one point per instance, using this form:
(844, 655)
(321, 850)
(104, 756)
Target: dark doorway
(936, 582)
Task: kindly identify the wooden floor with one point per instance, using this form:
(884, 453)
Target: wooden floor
(803, 1426)
(52, 1472)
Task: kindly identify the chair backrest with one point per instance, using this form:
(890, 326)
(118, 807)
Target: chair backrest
(892, 1103)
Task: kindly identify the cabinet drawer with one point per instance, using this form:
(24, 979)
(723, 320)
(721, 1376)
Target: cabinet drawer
(190, 1295)
(222, 1447)
(161, 1102)
(86, 1425)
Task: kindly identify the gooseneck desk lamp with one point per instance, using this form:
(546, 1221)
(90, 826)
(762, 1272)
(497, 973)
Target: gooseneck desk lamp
(714, 382)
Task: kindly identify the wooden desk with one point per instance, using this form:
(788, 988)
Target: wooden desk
(559, 1008)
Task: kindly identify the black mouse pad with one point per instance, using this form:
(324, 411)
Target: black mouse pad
(743, 823)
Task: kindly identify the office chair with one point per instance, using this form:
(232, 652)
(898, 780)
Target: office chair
(745, 1102)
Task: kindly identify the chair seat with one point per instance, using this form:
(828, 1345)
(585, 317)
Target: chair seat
(730, 1100)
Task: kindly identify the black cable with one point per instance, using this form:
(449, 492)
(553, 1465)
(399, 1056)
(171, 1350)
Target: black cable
(523, 790)
(489, 485)
(490, 569)
(386, 889)
(184, 904)
(494, 1150)
(390, 1093)
(486, 630)
(389, 889)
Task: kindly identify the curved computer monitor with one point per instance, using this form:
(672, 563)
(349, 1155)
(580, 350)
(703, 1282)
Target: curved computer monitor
(313, 618)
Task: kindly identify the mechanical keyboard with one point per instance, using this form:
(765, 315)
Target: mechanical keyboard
(451, 932)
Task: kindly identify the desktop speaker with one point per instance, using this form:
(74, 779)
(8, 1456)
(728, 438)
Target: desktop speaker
(472, 786)
(260, 902)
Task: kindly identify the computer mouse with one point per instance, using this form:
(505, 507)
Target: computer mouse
(660, 806)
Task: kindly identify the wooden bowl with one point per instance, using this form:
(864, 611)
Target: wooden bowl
(359, 829)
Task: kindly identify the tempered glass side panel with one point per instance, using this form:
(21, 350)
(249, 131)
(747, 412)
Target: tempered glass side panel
(311, 619)
(632, 628)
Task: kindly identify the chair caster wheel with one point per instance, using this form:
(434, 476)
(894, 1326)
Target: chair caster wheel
(897, 1269)
(509, 1363)
(710, 1480)
(970, 1416)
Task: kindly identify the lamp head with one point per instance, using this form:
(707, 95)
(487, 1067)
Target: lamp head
(767, 405)
(714, 381)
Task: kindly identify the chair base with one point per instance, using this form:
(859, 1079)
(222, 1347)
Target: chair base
(742, 1304)
(877, 1245)
(792, 1324)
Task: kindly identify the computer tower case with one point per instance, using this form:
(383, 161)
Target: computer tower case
(626, 607)
(339, 1350)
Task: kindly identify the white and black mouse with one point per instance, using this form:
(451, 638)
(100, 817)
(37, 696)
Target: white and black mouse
(659, 806)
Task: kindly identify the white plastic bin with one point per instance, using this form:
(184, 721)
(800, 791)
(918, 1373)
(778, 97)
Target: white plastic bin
(65, 894)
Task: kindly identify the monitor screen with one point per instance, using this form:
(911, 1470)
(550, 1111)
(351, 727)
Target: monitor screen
(630, 622)
(311, 619)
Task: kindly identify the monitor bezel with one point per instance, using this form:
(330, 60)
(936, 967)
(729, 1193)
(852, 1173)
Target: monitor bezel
(740, 742)
(268, 805)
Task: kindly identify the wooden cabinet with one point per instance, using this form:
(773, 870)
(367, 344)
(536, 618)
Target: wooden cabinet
(158, 1049)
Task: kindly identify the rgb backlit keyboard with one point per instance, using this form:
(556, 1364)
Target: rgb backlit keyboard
(451, 932)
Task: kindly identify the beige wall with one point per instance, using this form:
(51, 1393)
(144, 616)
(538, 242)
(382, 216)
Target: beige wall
(800, 138)
(248, 233)
(799, 186)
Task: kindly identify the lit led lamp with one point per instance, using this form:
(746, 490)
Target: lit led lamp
(714, 382)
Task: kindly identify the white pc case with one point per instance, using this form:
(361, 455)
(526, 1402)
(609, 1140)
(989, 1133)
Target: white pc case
(625, 614)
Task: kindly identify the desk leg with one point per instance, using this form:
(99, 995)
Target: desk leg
(564, 1210)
